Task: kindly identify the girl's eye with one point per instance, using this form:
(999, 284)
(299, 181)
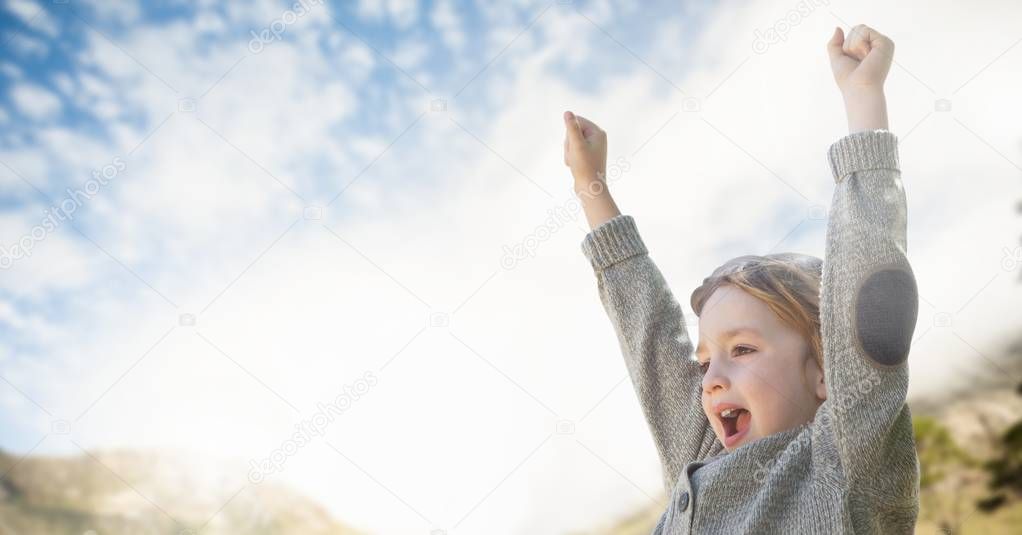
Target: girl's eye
(704, 366)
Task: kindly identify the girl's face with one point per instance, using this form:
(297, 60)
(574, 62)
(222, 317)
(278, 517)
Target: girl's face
(755, 364)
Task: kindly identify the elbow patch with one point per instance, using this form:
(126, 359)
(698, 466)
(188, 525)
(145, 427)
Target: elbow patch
(886, 308)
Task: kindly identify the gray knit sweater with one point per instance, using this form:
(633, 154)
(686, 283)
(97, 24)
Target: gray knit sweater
(853, 468)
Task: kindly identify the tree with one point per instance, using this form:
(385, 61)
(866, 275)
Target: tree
(944, 470)
(1006, 468)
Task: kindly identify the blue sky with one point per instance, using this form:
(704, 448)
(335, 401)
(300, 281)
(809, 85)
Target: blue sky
(42, 55)
(223, 213)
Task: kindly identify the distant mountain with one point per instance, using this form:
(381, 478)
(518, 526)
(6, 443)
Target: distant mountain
(138, 492)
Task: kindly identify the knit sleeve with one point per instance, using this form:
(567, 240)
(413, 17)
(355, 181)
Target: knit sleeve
(868, 309)
(653, 338)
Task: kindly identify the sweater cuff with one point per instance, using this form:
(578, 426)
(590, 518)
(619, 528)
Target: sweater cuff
(861, 151)
(613, 241)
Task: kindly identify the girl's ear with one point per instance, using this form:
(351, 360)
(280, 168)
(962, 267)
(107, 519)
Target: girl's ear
(814, 374)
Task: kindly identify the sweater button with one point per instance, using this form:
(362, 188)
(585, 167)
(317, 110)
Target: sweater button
(683, 501)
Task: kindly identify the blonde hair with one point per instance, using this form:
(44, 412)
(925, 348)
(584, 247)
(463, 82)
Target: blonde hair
(789, 283)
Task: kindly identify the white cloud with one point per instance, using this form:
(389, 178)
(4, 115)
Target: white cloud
(27, 47)
(403, 13)
(64, 83)
(445, 18)
(27, 162)
(371, 9)
(34, 16)
(93, 86)
(357, 59)
(209, 21)
(59, 263)
(121, 13)
(11, 70)
(409, 54)
(35, 101)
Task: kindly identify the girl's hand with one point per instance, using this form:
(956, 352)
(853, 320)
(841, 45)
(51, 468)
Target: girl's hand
(861, 62)
(585, 149)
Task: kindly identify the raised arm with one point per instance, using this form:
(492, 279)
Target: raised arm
(585, 153)
(654, 340)
(868, 297)
(647, 319)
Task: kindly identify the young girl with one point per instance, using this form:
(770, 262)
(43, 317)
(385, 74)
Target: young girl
(790, 415)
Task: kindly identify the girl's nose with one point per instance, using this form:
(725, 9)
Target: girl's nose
(715, 377)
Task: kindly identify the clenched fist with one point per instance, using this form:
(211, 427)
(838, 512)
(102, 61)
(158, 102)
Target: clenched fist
(585, 149)
(860, 64)
(861, 61)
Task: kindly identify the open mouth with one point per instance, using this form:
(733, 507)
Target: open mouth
(736, 424)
